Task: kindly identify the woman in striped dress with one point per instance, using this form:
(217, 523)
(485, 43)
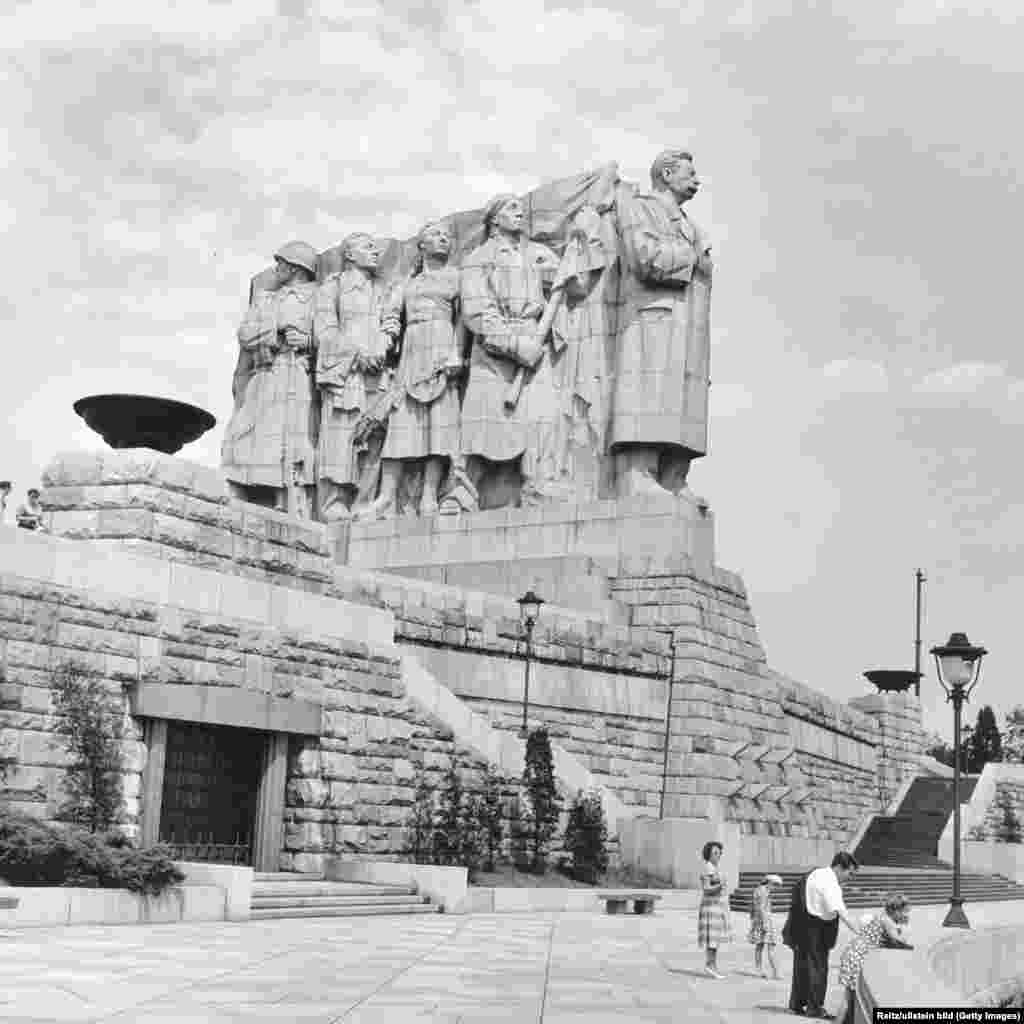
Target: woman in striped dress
(713, 922)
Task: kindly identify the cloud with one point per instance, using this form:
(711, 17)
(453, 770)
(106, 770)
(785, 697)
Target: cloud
(855, 376)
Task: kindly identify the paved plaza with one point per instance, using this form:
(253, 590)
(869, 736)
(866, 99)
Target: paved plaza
(584, 968)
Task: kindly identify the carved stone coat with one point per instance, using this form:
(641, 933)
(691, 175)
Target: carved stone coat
(268, 441)
(348, 330)
(425, 420)
(660, 392)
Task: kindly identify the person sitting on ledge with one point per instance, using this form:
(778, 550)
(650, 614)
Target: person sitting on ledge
(30, 515)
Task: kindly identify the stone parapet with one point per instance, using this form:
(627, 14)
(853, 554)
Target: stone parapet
(899, 736)
(156, 504)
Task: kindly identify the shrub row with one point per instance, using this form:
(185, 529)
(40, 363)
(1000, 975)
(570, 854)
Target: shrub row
(33, 852)
(450, 826)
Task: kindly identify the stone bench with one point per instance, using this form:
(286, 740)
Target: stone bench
(618, 902)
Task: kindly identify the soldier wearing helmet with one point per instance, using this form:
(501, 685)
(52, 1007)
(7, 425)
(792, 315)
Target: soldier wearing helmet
(268, 453)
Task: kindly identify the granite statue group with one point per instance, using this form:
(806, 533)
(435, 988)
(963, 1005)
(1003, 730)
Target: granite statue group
(551, 347)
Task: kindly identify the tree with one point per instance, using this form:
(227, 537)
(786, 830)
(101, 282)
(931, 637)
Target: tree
(1008, 828)
(490, 818)
(586, 838)
(936, 747)
(90, 722)
(1013, 736)
(542, 801)
(985, 744)
(471, 839)
(420, 824)
(449, 820)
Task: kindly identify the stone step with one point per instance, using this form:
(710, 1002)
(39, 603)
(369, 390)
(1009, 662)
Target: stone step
(362, 910)
(279, 902)
(317, 889)
(287, 876)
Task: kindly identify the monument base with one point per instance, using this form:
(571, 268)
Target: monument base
(570, 548)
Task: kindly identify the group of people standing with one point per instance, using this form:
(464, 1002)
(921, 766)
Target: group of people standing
(469, 365)
(29, 515)
(811, 930)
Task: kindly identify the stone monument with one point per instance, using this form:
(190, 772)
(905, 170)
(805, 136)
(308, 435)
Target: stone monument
(328, 662)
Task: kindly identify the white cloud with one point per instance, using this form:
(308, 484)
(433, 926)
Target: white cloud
(855, 376)
(966, 379)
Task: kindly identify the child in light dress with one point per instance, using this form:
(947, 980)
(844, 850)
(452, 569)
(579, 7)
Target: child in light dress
(762, 926)
(886, 928)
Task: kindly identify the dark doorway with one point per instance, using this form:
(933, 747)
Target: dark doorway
(211, 785)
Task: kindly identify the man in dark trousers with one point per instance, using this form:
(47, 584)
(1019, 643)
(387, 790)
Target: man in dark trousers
(811, 930)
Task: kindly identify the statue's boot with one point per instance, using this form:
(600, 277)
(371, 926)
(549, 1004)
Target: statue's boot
(432, 474)
(462, 495)
(385, 504)
(636, 472)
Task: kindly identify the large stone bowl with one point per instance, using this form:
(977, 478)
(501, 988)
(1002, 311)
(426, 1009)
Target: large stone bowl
(142, 421)
(892, 680)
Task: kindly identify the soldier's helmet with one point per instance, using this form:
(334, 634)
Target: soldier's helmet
(299, 254)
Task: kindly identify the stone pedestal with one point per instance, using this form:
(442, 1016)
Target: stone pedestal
(570, 549)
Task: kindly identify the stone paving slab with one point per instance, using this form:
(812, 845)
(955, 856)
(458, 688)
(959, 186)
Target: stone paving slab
(569, 968)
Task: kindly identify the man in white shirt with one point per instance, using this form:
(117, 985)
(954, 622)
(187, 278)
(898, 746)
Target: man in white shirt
(812, 929)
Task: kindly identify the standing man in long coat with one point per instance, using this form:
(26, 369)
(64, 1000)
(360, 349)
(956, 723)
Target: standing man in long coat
(352, 344)
(659, 416)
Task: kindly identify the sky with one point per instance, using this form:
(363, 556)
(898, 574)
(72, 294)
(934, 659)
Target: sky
(861, 179)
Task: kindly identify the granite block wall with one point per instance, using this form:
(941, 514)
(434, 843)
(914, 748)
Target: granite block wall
(774, 756)
(349, 789)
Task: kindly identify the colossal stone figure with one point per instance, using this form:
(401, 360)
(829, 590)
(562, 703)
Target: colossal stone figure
(268, 443)
(660, 398)
(424, 423)
(511, 407)
(352, 345)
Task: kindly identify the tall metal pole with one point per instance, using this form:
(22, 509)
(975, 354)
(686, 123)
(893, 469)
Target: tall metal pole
(919, 576)
(956, 918)
(664, 760)
(524, 732)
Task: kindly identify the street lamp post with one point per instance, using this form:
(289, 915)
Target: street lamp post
(958, 665)
(529, 610)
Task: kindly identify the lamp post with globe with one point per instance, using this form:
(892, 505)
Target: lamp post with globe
(958, 664)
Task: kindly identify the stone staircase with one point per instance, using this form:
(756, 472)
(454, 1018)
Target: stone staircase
(288, 894)
(870, 886)
(910, 837)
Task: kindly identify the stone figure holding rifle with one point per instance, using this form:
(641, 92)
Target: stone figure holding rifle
(513, 292)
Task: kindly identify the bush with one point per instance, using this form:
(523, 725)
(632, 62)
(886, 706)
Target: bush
(33, 852)
(586, 838)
